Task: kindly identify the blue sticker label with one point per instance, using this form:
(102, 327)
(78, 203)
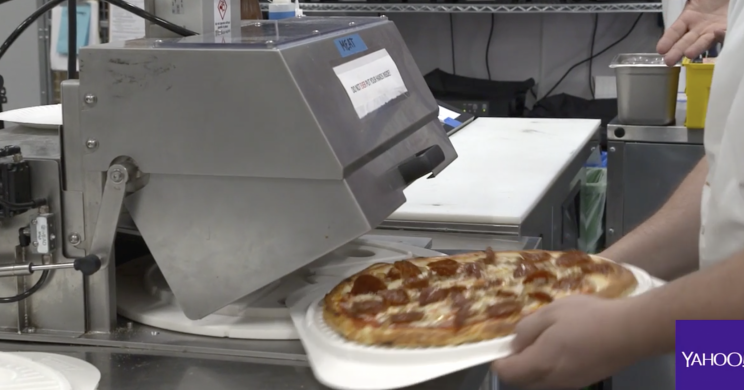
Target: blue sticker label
(350, 45)
(452, 122)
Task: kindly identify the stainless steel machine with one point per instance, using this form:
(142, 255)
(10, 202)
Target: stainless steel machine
(239, 158)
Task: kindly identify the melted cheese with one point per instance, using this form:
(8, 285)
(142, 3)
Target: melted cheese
(442, 313)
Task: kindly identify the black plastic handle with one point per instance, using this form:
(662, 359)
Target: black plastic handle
(422, 164)
(88, 265)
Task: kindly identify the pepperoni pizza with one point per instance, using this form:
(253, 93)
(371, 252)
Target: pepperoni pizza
(452, 300)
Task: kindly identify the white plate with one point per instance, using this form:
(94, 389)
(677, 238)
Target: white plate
(340, 364)
(81, 374)
(20, 373)
(40, 117)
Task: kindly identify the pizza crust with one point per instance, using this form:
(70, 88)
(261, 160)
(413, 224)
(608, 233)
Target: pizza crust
(618, 283)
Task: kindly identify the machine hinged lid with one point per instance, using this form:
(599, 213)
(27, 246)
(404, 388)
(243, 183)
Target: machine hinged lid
(270, 33)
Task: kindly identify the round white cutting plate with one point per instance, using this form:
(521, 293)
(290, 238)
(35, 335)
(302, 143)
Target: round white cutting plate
(40, 117)
(81, 374)
(20, 373)
(340, 364)
(143, 294)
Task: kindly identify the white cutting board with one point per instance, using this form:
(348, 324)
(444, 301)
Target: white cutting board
(504, 167)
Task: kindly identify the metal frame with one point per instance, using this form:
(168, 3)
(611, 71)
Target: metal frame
(618, 136)
(478, 8)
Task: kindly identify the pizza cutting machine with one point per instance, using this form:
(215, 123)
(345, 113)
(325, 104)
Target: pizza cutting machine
(240, 158)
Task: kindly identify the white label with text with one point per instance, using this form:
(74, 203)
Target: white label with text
(222, 17)
(371, 81)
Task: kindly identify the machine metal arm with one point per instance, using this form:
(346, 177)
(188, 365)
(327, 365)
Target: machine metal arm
(112, 201)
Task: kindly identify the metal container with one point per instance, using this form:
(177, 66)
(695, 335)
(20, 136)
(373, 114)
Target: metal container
(646, 89)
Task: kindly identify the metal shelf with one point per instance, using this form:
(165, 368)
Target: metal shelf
(475, 8)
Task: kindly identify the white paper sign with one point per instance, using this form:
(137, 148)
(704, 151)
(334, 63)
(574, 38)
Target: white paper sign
(123, 25)
(222, 17)
(371, 81)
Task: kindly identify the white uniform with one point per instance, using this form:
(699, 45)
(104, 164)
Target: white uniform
(722, 211)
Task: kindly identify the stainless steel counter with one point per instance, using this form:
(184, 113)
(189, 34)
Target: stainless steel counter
(133, 370)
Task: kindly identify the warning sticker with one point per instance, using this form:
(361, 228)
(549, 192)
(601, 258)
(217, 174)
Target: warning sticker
(371, 81)
(222, 17)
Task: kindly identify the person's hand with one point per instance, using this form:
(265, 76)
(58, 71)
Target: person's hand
(701, 24)
(570, 343)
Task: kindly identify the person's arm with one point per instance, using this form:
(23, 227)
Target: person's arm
(714, 293)
(666, 245)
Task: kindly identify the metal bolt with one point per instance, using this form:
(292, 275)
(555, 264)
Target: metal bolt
(31, 330)
(611, 231)
(34, 222)
(612, 149)
(154, 333)
(257, 24)
(35, 244)
(52, 237)
(316, 32)
(352, 24)
(593, 148)
(269, 42)
(43, 209)
(90, 99)
(130, 325)
(383, 16)
(117, 176)
(74, 238)
(91, 144)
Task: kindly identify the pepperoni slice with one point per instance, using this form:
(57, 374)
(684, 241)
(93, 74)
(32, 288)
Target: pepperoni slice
(569, 283)
(393, 274)
(407, 269)
(367, 308)
(462, 308)
(446, 267)
(431, 295)
(539, 276)
(540, 296)
(473, 269)
(597, 268)
(395, 297)
(524, 269)
(406, 318)
(572, 259)
(504, 309)
(535, 257)
(367, 284)
(490, 256)
(416, 283)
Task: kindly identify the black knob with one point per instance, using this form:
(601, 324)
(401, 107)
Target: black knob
(88, 265)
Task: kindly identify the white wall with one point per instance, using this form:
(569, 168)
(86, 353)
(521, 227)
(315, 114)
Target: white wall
(20, 65)
(541, 46)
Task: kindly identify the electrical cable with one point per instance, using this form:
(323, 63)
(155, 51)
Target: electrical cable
(594, 56)
(488, 45)
(24, 25)
(452, 42)
(39, 283)
(71, 39)
(119, 3)
(151, 18)
(591, 54)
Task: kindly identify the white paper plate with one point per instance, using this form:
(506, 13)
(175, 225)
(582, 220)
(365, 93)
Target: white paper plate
(340, 364)
(81, 374)
(20, 373)
(40, 117)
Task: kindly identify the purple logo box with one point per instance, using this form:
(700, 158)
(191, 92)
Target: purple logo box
(709, 355)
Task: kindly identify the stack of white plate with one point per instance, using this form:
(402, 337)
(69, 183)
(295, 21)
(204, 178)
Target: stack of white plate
(46, 371)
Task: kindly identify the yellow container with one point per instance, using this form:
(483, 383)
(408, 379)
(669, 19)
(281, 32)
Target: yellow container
(698, 79)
